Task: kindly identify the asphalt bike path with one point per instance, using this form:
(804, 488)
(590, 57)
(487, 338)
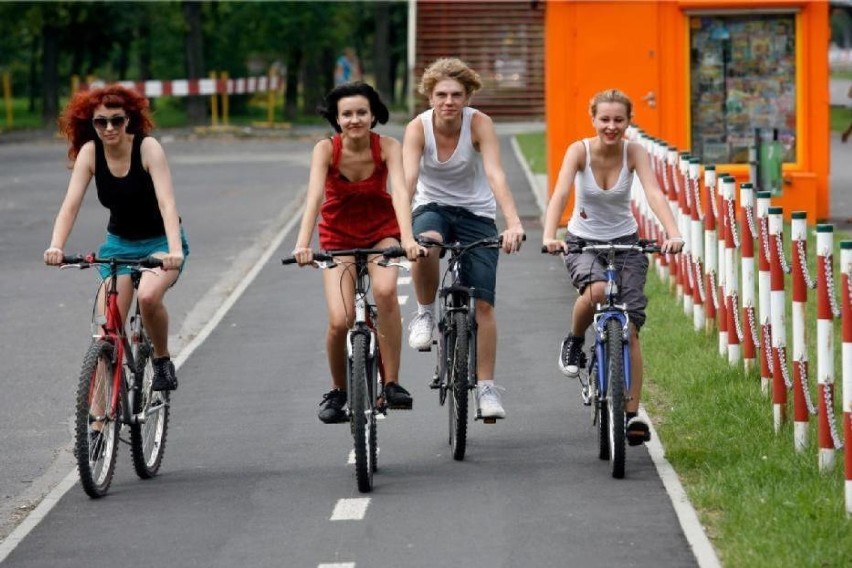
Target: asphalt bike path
(252, 478)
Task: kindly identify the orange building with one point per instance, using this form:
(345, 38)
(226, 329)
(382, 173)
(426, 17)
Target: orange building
(703, 75)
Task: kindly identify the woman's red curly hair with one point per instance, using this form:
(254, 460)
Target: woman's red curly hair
(75, 123)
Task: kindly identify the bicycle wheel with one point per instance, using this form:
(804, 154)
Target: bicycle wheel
(615, 396)
(600, 415)
(459, 383)
(97, 420)
(148, 439)
(362, 416)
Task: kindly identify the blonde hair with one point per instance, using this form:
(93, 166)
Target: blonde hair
(610, 96)
(449, 68)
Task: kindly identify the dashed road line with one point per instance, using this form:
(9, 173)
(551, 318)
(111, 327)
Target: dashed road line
(350, 509)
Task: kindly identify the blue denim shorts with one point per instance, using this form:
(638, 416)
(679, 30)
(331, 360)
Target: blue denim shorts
(115, 246)
(479, 266)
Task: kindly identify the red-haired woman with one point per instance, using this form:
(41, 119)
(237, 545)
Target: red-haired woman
(107, 129)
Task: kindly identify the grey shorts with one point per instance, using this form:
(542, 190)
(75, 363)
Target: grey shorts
(478, 266)
(585, 268)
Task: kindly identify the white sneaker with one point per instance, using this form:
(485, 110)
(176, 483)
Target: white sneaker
(420, 331)
(488, 398)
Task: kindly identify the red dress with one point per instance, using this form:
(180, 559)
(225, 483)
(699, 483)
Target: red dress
(356, 214)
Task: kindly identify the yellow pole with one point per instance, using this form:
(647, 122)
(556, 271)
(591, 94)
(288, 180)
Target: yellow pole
(214, 105)
(225, 99)
(7, 96)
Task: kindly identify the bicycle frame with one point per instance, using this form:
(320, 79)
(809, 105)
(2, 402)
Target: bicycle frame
(365, 314)
(605, 313)
(457, 298)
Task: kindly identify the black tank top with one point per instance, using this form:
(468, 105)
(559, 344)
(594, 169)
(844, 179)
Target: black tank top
(131, 200)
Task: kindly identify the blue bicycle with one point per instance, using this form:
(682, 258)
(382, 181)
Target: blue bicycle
(607, 374)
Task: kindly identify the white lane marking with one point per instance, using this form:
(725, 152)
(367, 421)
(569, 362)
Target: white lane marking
(337, 565)
(692, 529)
(51, 499)
(350, 509)
(402, 300)
(403, 280)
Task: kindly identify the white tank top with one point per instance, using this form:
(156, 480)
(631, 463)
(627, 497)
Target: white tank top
(460, 180)
(600, 214)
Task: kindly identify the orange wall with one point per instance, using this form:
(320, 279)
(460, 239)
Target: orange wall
(643, 47)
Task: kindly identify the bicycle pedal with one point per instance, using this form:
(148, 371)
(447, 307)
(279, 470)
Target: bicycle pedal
(425, 349)
(489, 421)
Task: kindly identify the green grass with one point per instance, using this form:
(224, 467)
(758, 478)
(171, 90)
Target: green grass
(840, 118)
(533, 145)
(761, 502)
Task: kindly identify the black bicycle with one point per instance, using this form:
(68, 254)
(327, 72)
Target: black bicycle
(114, 388)
(455, 371)
(607, 382)
(364, 371)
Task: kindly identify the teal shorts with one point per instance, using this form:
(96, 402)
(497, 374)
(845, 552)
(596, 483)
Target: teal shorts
(118, 247)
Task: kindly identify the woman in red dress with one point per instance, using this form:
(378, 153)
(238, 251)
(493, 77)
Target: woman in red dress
(348, 187)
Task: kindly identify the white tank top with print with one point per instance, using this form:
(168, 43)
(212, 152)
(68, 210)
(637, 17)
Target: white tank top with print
(601, 214)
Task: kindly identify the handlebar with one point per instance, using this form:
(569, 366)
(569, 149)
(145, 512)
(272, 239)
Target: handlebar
(643, 246)
(325, 256)
(487, 242)
(91, 259)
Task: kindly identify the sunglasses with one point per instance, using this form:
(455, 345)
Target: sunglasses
(116, 121)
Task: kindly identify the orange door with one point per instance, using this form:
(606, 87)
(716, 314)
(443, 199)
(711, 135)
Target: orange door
(616, 46)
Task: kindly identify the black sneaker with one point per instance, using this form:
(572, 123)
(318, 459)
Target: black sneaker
(164, 375)
(397, 398)
(331, 407)
(571, 356)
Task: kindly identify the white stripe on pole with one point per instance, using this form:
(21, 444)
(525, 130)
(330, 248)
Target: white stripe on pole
(207, 86)
(697, 246)
(153, 89)
(825, 351)
(180, 87)
(764, 288)
(798, 232)
(777, 300)
(732, 282)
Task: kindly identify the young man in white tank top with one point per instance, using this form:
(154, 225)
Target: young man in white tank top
(451, 159)
(603, 168)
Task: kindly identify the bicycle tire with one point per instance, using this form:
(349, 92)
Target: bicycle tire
(362, 416)
(459, 384)
(148, 439)
(96, 454)
(600, 414)
(615, 396)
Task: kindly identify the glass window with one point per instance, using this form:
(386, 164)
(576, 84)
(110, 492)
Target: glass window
(743, 85)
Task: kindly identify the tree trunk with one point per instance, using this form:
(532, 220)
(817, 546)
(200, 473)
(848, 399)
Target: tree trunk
(50, 73)
(381, 51)
(196, 107)
(312, 83)
(291, 96)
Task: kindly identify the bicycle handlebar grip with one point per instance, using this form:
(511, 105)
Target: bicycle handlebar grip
(151, 262)
(73, 259)
(288, 260)
(394, 252)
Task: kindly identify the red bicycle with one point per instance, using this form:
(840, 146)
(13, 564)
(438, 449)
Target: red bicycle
(114, 388)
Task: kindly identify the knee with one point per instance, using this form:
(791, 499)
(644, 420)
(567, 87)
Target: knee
(149, 299)
(337, 326)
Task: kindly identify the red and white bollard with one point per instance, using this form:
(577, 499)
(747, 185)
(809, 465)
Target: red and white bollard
(749, 315)
(711, 244)
(671, 189)
(846, 295)
(722, 319)
(763, 290)
(825, 345)
(697, 245)
(801, 413)
(659, 159)
(684, 222)
(778, 298)
(732, 282)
